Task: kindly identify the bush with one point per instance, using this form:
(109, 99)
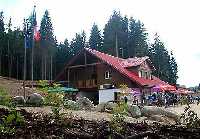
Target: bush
(121, 108)
(117, 123)
(72, 105)
(13, 119)
(190, 118)
(117, 120)
(85, 104)
(53, 99)
(5, 99)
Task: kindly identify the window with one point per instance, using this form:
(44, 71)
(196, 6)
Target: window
(140, 73)
(107, 75)
(146, 75)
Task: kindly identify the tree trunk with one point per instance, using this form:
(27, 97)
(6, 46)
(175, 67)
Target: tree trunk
(51, 68)
(17, 68)
(0, 63)
(45, 67)
(42, 69)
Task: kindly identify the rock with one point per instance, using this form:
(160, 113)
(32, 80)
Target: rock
(134, 111)
(85, 104)
(148, 111)
(19, 100)
(35, 99)
(162, 119)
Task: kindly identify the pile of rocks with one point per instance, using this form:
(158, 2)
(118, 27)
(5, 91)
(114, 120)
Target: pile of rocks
(34, 99)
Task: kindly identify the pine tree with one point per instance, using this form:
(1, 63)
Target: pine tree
(95, 40)
(48, 44)
(77, 43)
(115, 32)
(137, 42)
(2, 33)
(161, 60)
(63, 55)
(173, 70)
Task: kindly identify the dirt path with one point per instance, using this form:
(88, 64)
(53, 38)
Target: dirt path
(180, 109)
(15, 87)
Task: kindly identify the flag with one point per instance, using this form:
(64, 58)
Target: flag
(36, 34)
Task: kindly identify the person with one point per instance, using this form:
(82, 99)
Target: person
(125, 99)
(135, 100)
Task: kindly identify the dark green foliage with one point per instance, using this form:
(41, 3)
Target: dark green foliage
(95, 40)
(137, 42)
(165, 64)
(78, 43)
(173, 69)
(2, 29)
(10, 122)
(116, 35)
(63, 55)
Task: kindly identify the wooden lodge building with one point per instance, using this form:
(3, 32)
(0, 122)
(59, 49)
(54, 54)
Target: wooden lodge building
(91, 70)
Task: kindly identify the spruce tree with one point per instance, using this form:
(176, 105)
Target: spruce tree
(161, 60)
(95, 40)
(77, 43)
(48, 43)
(137, 43)
(2, 33)
(173, 70)
(115, 32)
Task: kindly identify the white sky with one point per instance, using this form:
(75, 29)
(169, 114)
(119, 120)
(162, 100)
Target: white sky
(176, 21)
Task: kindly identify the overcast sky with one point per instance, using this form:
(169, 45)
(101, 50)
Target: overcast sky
(176, 21)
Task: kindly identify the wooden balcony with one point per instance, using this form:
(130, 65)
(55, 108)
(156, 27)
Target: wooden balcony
(87, 83)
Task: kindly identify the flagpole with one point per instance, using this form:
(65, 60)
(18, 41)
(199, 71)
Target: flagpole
(25, 31)
(32, 55)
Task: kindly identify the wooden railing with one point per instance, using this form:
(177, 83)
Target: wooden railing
(87, 83)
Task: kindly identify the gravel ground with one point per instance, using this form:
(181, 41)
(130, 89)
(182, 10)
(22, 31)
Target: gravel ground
(180, 109)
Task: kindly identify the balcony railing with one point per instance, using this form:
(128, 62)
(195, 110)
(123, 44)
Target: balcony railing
(87, 83)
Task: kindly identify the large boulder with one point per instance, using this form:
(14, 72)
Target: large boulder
(149, 111)
(19, 100)
(35, 99)
(134, 111)
(85, 104)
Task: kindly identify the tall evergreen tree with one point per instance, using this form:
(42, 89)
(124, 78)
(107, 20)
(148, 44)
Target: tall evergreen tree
(161, 59)
(114, 33)
(2, 33)
(63, 55)
(77, 43)
(48, 44)
(173, 70)
(95, 40)
(137, 43)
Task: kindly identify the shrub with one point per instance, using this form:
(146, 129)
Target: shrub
(85, 104)
(117, 120)
(72, 105)
(190, 118)
(5, 99)
(53, 99)
(121, 108)
(13, 119)
(117, 123)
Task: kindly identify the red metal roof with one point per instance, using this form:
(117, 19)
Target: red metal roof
(120, 65)
(132, 62)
